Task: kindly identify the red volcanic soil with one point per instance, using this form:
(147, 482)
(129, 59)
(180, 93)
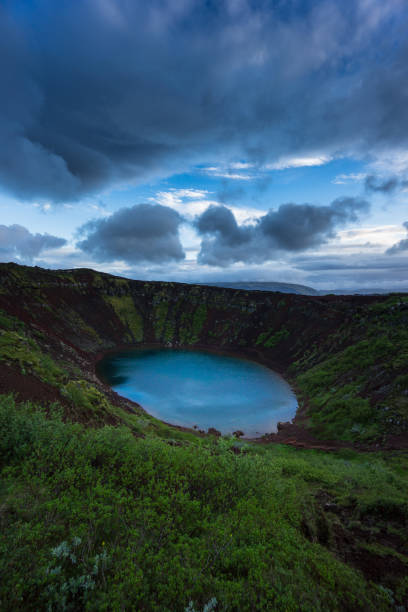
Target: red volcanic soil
(26, 387)
(300, 437)
(72, 316)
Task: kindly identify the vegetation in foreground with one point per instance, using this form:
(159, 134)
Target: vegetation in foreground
(102, 507)
(100, 519)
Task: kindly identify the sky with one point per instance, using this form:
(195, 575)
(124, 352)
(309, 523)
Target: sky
(203, 141)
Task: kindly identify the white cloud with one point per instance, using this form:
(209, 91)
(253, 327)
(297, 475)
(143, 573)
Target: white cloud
(246, 171)
(101, 210)
(188, 202)
(193, 202)
(236, 176)
(373, 238)
(43, 206)
(391, 162)
(236, 171)
(190, 194)
(285, 163)
(241, 165)
(343, 179)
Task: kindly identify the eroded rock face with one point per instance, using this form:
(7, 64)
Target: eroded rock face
(95, 311)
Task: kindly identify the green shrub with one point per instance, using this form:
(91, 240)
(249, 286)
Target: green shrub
(96, 519)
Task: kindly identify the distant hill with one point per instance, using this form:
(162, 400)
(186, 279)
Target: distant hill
(272, 286)
(302, 289)
(362, 291)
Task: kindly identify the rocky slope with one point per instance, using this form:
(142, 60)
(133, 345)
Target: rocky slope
(346, 356)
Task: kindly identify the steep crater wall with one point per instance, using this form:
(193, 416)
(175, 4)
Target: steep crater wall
(347, 356)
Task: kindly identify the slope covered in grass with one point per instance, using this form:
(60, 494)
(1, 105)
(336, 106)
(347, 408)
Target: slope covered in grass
(346, 355)
(98, 519)
(360, 391)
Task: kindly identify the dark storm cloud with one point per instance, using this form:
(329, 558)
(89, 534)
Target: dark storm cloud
(16, 242)
(381, 186)
(400, 246)
(374, 184)
(290, 228)
(103, 91)
(142, 233)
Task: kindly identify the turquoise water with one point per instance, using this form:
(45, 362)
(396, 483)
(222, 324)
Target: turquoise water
(202, 388)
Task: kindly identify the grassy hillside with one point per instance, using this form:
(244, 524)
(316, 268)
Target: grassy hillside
(360, 391)
(103, 507)
(347, 356)
(97, 519)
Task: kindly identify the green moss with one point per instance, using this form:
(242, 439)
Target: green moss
(170, 324)
(17, 348)
(262, 337)
(269, 340)
(160, 314)
(8, 322)
(191, 325)
(127, 312)
(184, 328)
(384, 551)
(79, 326)
(86, 399)
(199, 317)
(169, 331)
